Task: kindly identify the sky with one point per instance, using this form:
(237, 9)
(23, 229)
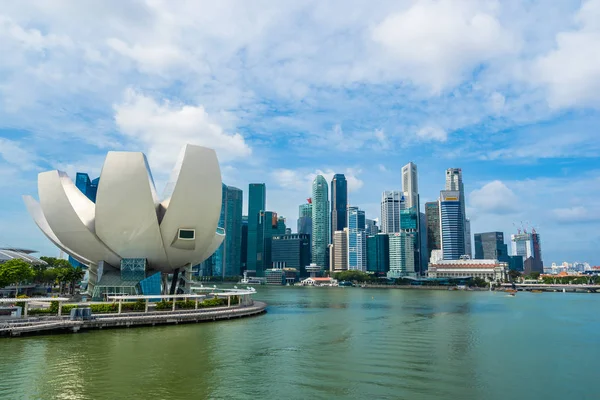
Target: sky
(509, 91)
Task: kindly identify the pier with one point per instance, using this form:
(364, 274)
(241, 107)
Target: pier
(150, 316)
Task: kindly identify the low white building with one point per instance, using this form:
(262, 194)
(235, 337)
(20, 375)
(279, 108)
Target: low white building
(319, 282)
(490, 270)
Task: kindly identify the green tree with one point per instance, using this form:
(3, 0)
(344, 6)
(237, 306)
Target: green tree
(15, 271)
(514, 275)
(479, 282)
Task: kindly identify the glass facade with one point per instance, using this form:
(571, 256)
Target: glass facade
(268, 226)
(401, 254)
(320, 222)
(453, 232)
(339, 203)
(357, 240)
(491, 246)
(227, 258)
(409, 224)
(291, 251)
(244, 247)
(151, 285)
(378, 254)
(305, 219)
(133, 269)
(257, 198)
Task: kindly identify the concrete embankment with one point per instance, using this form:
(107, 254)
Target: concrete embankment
(34, 326)
(411, 287)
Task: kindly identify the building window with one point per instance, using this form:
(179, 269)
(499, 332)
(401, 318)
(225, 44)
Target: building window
(187, 234)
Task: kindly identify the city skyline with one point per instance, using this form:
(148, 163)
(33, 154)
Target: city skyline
(517, 109)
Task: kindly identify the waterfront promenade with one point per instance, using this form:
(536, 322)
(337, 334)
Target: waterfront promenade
(64, 324)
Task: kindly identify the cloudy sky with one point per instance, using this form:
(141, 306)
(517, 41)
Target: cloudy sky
(507, 90)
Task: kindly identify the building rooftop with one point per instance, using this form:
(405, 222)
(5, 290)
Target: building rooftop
(467, 264)
(8, 253)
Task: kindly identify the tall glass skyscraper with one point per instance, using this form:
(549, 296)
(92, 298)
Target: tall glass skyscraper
(378, 253)
(305, 218)
(391, 202)
(269, 225)
(454, 182)
(257, 199)
(432, 217)
(357, 240)
(339, 203)
(401, 254)
(320, 222)
(491, 246)
(89, 188)
(232, 222)
(409, 224)
(410, 185)
(452, 224)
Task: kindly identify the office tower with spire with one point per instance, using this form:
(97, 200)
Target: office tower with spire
(320, 222)
(391, 202)
(410, 186)
(357, 240)
(257, 199)
(454, 182)
(339, 202)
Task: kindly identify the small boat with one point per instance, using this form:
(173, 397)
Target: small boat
(511, 291)
(536, 291)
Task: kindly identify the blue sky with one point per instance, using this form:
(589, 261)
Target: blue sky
(507, 90)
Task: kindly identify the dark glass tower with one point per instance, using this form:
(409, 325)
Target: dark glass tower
(432, 218)
(378, 254)
(339, 203)
(257, 199)
(491, 246)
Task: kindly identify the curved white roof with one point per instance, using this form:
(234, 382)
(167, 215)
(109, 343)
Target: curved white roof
(128, 219)
(8, 253)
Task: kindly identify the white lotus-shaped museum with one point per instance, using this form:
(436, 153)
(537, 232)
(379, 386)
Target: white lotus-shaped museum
(128, 221)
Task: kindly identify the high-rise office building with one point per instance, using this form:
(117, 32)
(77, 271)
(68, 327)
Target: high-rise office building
(244, 247)
(339, 202)
(269, 225)
(305, 218)
(454, 182)
(320, 222)
(357, 240)
(230, 250)
(491, 246)
(291, 251)
(528, 246)
(281, 227)
(371, 227)
(468, 242)
(432, 217)
(410, 185)
(378, 254)
(339, 251)
(409, 224)
(452, 225)
(257, 200)
(401, 254)
(391, 202)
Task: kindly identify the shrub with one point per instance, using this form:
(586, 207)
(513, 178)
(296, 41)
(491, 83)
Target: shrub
(216, 302)
(164, 305)
(185, 304)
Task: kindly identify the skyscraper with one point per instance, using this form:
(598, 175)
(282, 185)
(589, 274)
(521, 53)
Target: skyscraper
(257, 198)
(491, 246)
(232, 245)
(269, 225)
(291, 251)
(244, 247)
(371, 227)
(378, 253)
(339, 251)
(432, 216)
(401, 254)
(410, 185)
(454, 182)
(89, 188)
(409, 224)
(305, 218)
(452, 225)
(320, 221)
(528, 246)
(357, 240)
(339, 202)
(468, 243)
(390, 211)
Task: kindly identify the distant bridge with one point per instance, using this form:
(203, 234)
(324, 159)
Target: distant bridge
(552, 287)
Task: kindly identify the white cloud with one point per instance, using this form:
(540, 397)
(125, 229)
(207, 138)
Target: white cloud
(165, 127)
(435, 43)
(571, 71)
(432, 133)
(494, 198)
(576, 214)
(13, 153)
(301, 180)
(382, 168)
